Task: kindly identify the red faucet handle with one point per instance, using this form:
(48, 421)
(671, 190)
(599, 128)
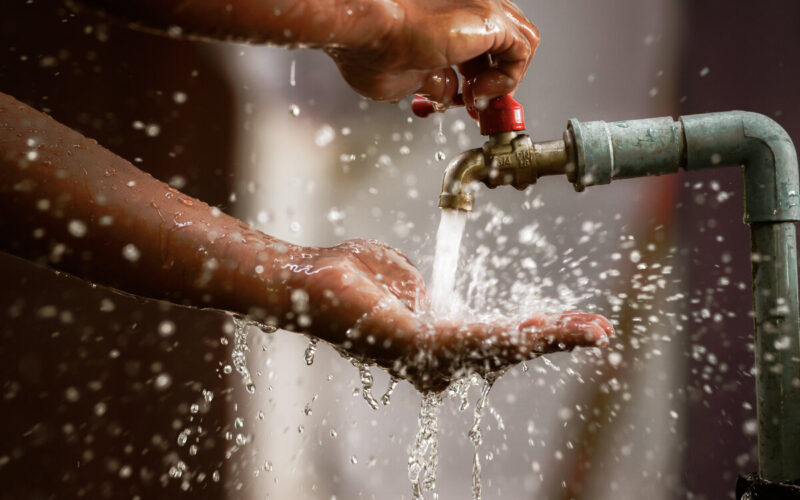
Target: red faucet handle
(503, 114)
(422, 106)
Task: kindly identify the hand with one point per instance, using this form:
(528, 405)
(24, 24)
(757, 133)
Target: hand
(409, 47)
(368, 299)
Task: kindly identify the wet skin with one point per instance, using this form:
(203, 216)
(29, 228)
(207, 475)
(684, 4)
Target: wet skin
(68, 203)
(385, 49)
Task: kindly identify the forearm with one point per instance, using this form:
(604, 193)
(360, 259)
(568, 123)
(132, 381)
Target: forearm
(312, 23)
(69, 203)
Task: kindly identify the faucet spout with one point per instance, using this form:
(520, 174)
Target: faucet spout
(458, 189)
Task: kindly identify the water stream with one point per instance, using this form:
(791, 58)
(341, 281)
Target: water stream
(445, 262)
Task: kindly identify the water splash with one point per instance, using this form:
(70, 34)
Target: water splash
(366, 384)
(387, 396)
(423, 460)
(239, 353)
(311, 350)
(477, 439)
(445, 263)
(459, 389)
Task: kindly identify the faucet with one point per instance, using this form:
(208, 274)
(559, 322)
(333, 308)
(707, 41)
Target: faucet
(508, 158)
(596, 153)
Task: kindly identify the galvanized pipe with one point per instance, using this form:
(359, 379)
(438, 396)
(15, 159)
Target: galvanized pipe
(777, 355)
(609, 151)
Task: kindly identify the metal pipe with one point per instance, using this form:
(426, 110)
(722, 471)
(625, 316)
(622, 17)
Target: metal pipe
(605, 152)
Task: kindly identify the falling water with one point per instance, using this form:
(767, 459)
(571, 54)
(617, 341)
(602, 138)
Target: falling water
(311, 350)
(387, 396)
(477, 438)
(424, 458)
(445, 262)
(239, 354)
(366, 384)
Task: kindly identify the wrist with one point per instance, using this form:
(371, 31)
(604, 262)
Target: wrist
(275, 292)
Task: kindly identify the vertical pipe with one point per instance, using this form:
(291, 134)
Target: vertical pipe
(777, 342)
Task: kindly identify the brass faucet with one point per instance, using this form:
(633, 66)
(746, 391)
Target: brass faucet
(507, 158)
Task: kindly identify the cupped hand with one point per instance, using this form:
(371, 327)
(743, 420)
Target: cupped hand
(405, 47)
(369, 300)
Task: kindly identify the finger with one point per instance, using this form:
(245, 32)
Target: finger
(548, 333)
(528, 30)
(512, 50)
(440, 86)
(511, 60)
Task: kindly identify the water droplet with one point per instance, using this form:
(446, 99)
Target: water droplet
(77, 228)
(294, 110)
(100, 409)
(183, 437)
(125, 472)
(366, 384)
(152, 130)
(166, 328)
(311, 351)
(324, 136)
(440, 156)
(163, 381)
(131, 252)
(386, 398)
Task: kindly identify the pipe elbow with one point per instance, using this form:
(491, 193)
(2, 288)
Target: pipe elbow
(458, 191)
(762, 146)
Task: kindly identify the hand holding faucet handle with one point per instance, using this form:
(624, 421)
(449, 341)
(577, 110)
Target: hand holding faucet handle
(385, 50)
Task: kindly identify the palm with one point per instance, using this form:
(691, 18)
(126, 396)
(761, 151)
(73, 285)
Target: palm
(372, 302)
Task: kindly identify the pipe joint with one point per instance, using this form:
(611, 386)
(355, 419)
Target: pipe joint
(624, 149)
(772, 193)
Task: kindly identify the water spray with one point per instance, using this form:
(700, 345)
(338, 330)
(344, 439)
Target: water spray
(597, 153)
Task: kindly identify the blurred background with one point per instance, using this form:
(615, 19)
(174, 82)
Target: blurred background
(109, 396)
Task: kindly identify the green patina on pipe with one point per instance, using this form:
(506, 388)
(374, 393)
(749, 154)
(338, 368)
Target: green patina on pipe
(608, 151)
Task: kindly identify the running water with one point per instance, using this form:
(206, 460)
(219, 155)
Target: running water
(477, 439)
(239, 354)
(445, 261)
(424, 458)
